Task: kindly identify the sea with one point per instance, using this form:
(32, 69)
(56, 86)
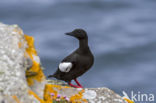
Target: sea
(122, 37)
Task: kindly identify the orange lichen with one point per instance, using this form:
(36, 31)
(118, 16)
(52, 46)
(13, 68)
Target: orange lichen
(47, 91)
(16, 99)
(128, 100)
(78, 98)
(50, 88)
(36, 96)
(30, 50)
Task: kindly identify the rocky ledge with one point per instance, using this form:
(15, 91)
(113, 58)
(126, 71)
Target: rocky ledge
(23, 81)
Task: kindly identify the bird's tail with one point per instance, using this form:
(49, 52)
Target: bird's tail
(50, 76)
(55, 75)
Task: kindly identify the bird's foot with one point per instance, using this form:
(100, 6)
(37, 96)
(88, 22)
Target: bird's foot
(75, 86)
(77, 82)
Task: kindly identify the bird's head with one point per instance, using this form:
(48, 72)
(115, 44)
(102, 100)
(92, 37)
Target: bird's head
(78, 33)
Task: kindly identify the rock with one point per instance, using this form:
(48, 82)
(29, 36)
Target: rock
(102, 95)
(91, 95)
(13, 67)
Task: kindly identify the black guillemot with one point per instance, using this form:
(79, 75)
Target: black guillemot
(77, 63)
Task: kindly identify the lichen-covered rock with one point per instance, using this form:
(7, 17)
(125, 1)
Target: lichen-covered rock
(13, 65)
(79, 95)
(34, 74)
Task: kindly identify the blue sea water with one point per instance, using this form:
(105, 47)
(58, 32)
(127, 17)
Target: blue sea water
(122, 36)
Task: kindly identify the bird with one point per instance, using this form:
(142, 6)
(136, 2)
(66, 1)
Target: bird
(78, 62)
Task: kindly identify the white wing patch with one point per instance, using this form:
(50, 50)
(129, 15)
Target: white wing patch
(65, 66)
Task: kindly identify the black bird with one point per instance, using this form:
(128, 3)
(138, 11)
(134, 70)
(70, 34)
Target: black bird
(78, 62)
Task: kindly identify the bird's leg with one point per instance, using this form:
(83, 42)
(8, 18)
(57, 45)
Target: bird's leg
(72, 85)
(78, 83)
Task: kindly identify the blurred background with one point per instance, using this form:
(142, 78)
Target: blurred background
(122, 36)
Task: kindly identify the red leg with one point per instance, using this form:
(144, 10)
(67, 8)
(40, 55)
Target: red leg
(74, 85)
(78, 83)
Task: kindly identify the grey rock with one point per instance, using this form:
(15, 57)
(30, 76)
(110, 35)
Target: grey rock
(102, 95)
(12, 68)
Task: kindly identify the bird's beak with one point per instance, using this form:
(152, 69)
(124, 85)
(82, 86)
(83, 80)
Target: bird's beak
(70, 33)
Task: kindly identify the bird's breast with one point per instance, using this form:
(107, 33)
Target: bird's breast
(86, 61)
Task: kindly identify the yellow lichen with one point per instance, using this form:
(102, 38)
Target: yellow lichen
(30, 50)
(50, 88)
(78, 98)
(36, 96)
(16, 99)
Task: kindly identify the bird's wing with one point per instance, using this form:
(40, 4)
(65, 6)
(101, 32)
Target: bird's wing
(68, 63)
(65, 66)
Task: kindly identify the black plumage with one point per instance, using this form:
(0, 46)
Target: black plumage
(79, 61)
